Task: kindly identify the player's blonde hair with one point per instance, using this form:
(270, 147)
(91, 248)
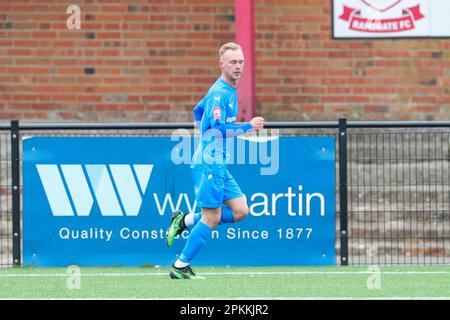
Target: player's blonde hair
(228, 46)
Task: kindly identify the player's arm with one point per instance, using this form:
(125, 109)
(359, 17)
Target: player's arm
(232, 130)
(198, 112)
(217, 117)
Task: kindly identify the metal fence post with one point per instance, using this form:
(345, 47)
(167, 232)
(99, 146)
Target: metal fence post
(343, 198)
(15, 190)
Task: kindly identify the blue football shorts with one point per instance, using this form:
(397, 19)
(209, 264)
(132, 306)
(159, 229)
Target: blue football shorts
(211, 190)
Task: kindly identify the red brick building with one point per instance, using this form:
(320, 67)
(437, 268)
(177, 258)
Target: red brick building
(152, 60)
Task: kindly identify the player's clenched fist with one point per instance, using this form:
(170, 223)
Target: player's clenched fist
(257, 123)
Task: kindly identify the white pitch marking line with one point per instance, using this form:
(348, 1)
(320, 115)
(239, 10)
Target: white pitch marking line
(232, 273)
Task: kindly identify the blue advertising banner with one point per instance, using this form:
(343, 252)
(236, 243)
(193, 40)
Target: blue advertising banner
(107, 201)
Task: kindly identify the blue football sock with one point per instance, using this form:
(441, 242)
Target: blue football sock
(199, 234)
(197, 217)
(191, 219)
(227, 215)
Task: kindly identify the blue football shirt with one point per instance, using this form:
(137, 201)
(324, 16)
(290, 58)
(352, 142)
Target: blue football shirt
(215, 116)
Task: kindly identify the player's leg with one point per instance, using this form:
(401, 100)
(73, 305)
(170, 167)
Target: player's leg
(180, 220)
(199, 235)
(209, 194)
(238, 207)
(235, 202)
(191, 219)
(234, 209)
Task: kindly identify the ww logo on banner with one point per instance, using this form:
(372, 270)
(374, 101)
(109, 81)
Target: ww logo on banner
(117, 188)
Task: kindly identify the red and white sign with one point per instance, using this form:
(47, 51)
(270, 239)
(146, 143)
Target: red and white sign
(390, 18)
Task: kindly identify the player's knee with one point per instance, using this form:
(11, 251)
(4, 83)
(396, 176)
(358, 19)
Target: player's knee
(212, 221)
(241, 213)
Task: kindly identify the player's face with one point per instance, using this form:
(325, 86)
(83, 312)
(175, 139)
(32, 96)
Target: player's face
(232, 65)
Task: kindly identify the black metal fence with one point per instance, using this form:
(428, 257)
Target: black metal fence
(392, 185)
(399, 195)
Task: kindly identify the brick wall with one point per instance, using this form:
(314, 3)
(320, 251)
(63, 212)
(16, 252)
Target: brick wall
(303, 74)
(153, 60)
(131, 60)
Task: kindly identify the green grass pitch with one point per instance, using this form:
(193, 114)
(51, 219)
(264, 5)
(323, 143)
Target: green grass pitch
(340, 282)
